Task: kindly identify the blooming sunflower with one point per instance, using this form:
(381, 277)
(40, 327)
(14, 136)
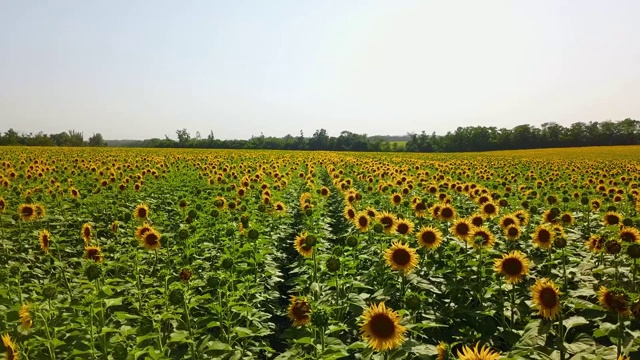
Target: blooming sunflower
(45, 241)
(27, 212)
(381, 327)
(93, 253)
(73, 192)
(543, 237)
(3, 205)
(404, 227)
(447, 212)
(114, 226)
(546, 298)
(429, 237)
(443, 351)
(611, 218)
(304, 244)
(512, 232)
(143, 229)
(614, 300)
(522, 216)
(151, 239)
(489, 209)
(477, 220)
(40, 211)
(388, 222)
(484, 353)
(396, 199)
(420, 209)
(299, 311)
(461, 229)
(362, 221)
(630, 234)
(10, 347)
(513, 266)
(141, 211)
(324, 191)
(349, 213)
(481, 237)
(567, 218)
(401, 257)
(508, 220)
(595, 243)
(26, 321)
(86, 232)
(279, 207)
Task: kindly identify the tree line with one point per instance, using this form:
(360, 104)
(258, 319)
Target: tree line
(470, 138)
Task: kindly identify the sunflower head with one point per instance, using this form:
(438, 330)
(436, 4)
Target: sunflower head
(93, 253)
(45, 240)
(595, 243)
(10, 347)
(151, 239)
(141, 211)
(481, 237)
(143, 229)
(512, 232)
(3, 206)
(350, 213)
(26, 317)
(429, 237)
(396, 199)
(477, 220)
(404, 227)
(381, 328)
(611, 218)
(362, 221)
(27, 212)
(522, 216)
(86, 232)
(489, 209)
(299, 311)
(484, 353)
(447, 212)
(461, 229)
(613, 300)
(543, 237)
(443, 351)
(630, 235)
(304, 244)
(401, 257)
(546, 298)
(514, 266)
(388, 222)
(420, 209)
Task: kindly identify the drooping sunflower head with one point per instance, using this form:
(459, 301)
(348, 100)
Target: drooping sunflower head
(546, 298)
(141, 211)
(151, 239)
(461, 229)
(401, 257)
(299, 311)
(489, 209)
(93, 253)
(630, 235)
(484, 353)
(514, 266)
(26, 318)
(86, 232)
(45, 240)
(443, 351)
(114, 226)
(304, 244)
(404, 227)
(3, 206)
(611, 218)
(381, 328)
(420, 209)
(429, 237)
(613, 300)
(481, 237)
(27, 212)
(10, 347)
(388, 222)
(543, 237)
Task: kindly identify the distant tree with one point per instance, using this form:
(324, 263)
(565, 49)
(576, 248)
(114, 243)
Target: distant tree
(183, 137)
(97, 140)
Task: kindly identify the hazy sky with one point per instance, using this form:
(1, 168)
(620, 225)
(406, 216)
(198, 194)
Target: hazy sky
(142, 69)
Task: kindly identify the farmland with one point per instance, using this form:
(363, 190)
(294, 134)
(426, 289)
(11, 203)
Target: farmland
(200, 254)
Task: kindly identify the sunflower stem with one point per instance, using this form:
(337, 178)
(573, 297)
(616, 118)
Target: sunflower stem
(93, 348)
(337, 289)
(52, 355)
(635, 268)
(620, 335)
(188, 321)
(512, 297)
(480, 273)
(564, 272)
(403, 285)
(64, 276)
(560, 336)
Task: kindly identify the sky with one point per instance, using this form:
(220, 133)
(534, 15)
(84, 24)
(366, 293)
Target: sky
(143, 69)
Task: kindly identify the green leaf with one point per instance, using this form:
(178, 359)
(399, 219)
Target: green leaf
(574, 321)
(112, 302)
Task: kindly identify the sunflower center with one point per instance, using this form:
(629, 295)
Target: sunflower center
(87, 232)
(351, 213)
(544, 236)
(612, 220)
(363, 221)
(477, 221)
(508, 222)
(382, 326)
(421, 206)
(27, 211)
(403, 228)
(446, 213)
(512, 266)
(462, 229)
(151, 238)
(489, 209)
(142, 212)
(401, 257)
(548, 297)
(513, 231)
(386, 221)
(300, 310)
(627, 236)
(428, 237)
(397, 199)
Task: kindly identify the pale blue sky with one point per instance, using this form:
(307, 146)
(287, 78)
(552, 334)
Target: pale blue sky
(142, 69)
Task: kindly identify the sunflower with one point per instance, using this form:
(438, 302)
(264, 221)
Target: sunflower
(304, 244)
(381, 327)
(508, 220)
(435, 211)
(396, 199)
(401, 257)
(595, 243)
(420, 209)
(45, 241)
(73, 192)
(513, 266)
(614, 300)
(10, 347)
(477, 220)
(522, 216)
(280, 208)
(550, 216)
(143, 229)
(429, 237)
(151, 239)
(141, 211)
(27, 212)
(447, 212)
(595, 204)
(86, 232)
(299, 311)
(371, 212)
(40, 211)
(489, 209)
(512, 232)
(26, 321)
(350, 213)
(324, 191)
(546, 298)
(484, 353)
(611, 218)
(543, 237)
(362, 221)
(624, 357)
(567, 218)
(3, 204)
(93, 253)
(630, 235)
(443, 351)
(462, 229)
(481, 237)
(404, 227)
(388, 222)
(114, 226)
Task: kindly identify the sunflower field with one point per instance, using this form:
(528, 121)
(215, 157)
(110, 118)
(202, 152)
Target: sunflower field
(196, 254)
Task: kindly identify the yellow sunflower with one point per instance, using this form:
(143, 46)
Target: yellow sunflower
(299, 311)
(611, 218)
(73, 192)
(151, 239)
(447, 212)
(350, 213)
(27, 212)
(10, 347)
(522, 216)
(489, 209)
(324, 191)
(388, 222)
(40, 211)
(512, 232)
(514, 266)
(485, 353)
(396, 199)
(429, 237)
(546, 298)
(543, 237)
(401, 257)
(508, 220)
(461, 229)
(381, 328)
(141, 211)
(114, 226)
(304, 244)
(567, 218)
(45, 241)
(443, 351)
(362, 221)
(280, 208)
(86, 232)
(595, 243)
(404, 227)
(143, 229)
(26, 321)
(93, 253)
(477, 220)
(630, 235)
(481, 237)
(420, 209)
(614, 300)
(3, 204)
